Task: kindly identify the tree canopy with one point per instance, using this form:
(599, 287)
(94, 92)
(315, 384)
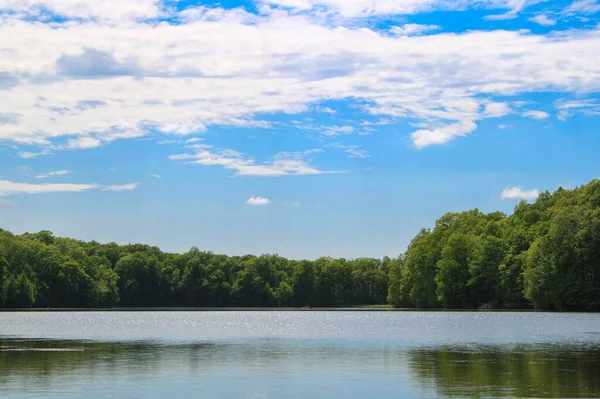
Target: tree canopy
(546, 255)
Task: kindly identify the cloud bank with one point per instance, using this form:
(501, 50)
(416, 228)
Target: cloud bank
(107, 71)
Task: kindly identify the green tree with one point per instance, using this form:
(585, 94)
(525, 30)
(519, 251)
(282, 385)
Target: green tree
(20, 292)
(73, 285)
(453, 272)
(484, 269)
(303, 283)
(396, 297)
(139, 280)
(418, 284)
(284, 294)
(3, 278)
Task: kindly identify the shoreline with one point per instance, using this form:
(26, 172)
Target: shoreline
(273, 309)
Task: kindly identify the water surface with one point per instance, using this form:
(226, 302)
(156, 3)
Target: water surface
(298, 354)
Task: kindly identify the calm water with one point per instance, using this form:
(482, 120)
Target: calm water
(298, 355)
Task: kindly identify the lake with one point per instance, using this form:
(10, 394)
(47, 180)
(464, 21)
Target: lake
(304, 354)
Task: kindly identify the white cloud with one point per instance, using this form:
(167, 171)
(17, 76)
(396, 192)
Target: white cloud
(326, 110)
(501, 17)
(535, 114)
(518, 193)
(258, 201)
(333, 131)
(514, 6)
(180, 157)
(583, 7)
(193, 140)
(12, 188)
(83, 142)
(567, 109)
(101, 10)
(31, 155)
(381, 122)
(543, 19)
(296, 204)
(112, 72)
(281, 164)
(361, 8)
(8, 188)
(425, 137)
(124, 187)
(353, 151)
(413, 29)
(52, 174)
(157, 176)
(496, 110)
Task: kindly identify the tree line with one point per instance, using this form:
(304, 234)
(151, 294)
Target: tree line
(41, 270)
(545, 255)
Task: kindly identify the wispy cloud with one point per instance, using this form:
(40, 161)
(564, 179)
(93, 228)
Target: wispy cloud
(583, 7)
(381, 122)
(83, 142)
(258, 201)
(567, 109)
(31, 155)
(364, 8)
(514, 7)
(12, 188)
(353, 151)
(52, 174)
(104, 11)
(535, 114)
(511, 193)
(281, 164)
(157, 176)
(543, 19)
(337, 130)
(326, 110)
(413, 29)
(8, 188)
(501, 17)
(124, 187)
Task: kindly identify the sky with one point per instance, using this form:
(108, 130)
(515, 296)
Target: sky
(302, 128)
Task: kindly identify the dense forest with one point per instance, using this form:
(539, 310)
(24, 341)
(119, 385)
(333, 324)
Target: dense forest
(545, 255)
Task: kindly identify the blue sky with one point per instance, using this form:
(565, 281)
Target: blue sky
(298, 127)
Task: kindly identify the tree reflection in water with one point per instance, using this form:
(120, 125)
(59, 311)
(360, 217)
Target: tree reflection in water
(528, 371)
(520, 371)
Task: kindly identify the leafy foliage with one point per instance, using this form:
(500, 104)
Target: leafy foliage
(41, 270)
(545, 255)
